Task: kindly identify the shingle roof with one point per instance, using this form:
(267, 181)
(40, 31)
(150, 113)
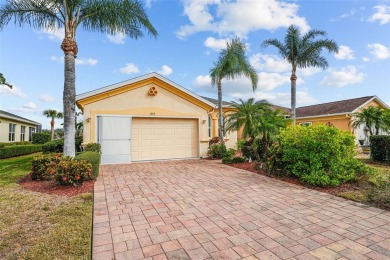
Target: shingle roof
(337, 107)
(6, 114)
(215, 101)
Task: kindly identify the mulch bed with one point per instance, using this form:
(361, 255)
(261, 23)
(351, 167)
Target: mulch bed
(51, 187)
(331, 190)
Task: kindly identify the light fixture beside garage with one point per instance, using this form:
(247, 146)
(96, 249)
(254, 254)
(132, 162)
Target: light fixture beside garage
(152, 91)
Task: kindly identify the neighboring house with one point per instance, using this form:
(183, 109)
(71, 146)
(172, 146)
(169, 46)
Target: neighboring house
(14, 128)
(338, 113)
(150, 118)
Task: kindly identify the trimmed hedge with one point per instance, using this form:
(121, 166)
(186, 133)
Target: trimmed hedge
(17, 150)
(15, 143)
(380, 148)
(41, 138)
(93, 158)
(56, 146)
(92, 147)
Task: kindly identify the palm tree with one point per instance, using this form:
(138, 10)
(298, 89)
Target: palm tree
(105, 16)
(232, 63)
(53, 114)
(302, 52)
(246, 117)
(3, 81)
(371, 117)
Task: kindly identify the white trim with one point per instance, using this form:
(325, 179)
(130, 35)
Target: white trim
(144, 77)
(27, 121)
(368, 101)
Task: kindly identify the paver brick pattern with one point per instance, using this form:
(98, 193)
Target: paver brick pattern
(199, 209)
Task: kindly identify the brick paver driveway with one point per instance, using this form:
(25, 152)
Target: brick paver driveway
(200, 209)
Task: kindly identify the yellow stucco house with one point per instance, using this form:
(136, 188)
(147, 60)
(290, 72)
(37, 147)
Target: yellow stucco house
(150, 118)
(14, 128)
(338, 113)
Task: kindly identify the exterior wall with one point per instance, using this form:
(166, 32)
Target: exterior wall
(137, 102)
(341, 122)
(4, 130)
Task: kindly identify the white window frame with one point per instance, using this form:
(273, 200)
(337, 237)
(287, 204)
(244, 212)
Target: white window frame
(12, 131)
(22, 133)
(306, 124)
(210, 124)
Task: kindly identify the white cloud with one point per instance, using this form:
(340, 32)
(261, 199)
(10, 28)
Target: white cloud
(15, 91)
(118, 38)
(307, 72)
(281, 98)
(129, 68)
(382, 14)
(379, 51)
(46, 98)
(29, 107)
(344, 15)
(366, 59)
(215, 44)
(269, 63)
(269, 81)
(54, 34)
(83, 61)
(148, 3)
(226, 20)
(165, 70)
(78, 61)
(345, 76)
(345, 53)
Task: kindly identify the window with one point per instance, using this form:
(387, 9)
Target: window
(22, 133)
(11, 136)
(209, 126)
(305, 124)
(31, 130)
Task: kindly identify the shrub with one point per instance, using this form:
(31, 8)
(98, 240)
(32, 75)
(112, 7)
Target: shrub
(380, 194)
(227, 160)
(215, 140)
(274, 164)
(216, 151)
(238, 159)
(93, 158)
(73, 172)
(78, 141)
(44, 167)
(319, 155)
(17, 150)
(15, 143)
(41, 138)
(247, 150)
(92, 147)
(56, 146)
(380, 148)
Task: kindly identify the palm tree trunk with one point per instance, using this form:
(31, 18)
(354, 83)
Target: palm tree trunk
(220, 116)
(69, 97)
(52, 129)
(293, 94)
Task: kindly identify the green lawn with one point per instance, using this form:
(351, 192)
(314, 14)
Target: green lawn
(41, 226)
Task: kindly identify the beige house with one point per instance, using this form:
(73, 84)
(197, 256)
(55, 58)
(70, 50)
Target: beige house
(338, 113)
(14, 128)
(150, 118)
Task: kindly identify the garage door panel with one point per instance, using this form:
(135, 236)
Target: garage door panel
(164, 138)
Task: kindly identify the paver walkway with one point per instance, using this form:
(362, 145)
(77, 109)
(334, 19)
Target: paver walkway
(198, 209)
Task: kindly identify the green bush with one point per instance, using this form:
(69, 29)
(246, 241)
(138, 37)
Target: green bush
(238, 159)
(274, 164)
(227, 160)
(73, 172)
(15, 143)
(44, 167)
(56, 146)
(216, 151)
(41, 138)
(78, 141)
(380, 148)
(17, 150)
(93, 158)
(319, 155)
(247, 150)
(380, 194)
(92, 147)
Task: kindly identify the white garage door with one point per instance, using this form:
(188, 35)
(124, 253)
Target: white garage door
(164, 138)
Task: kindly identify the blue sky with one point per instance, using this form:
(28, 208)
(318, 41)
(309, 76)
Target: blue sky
(191, 33)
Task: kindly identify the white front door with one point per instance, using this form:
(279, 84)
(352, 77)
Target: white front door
(114, 133)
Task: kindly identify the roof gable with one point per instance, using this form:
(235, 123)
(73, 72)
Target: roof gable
(338, 107)
(115, 89)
